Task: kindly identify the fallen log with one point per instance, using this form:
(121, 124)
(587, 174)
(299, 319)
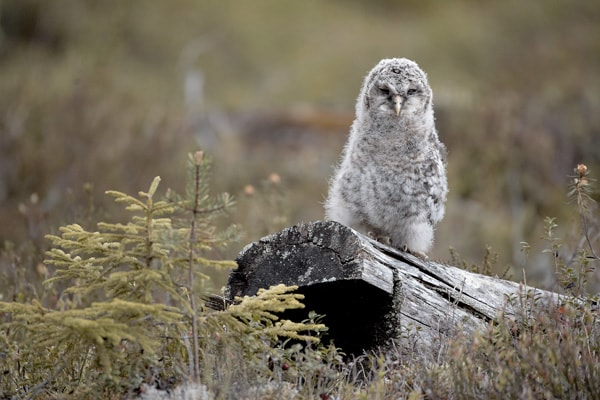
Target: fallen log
(369, 293)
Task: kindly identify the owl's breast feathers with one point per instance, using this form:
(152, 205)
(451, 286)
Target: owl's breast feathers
(406, 172)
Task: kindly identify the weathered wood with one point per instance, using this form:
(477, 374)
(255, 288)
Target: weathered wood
(371, 293)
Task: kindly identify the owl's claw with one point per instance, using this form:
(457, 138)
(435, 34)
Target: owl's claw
(386, 240)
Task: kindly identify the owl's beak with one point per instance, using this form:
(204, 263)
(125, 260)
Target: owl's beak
(397, 104)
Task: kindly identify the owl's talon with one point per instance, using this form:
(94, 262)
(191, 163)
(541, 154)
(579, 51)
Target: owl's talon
(386, 240)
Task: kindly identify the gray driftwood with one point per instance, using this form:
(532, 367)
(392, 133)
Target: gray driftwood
(371, 293)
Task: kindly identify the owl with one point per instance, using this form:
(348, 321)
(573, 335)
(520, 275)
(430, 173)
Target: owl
(391, 181)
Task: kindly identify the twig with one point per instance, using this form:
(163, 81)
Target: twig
(581, 187)
(195, 210)
(37, 388)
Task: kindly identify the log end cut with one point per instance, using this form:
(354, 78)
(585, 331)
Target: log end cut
(327, 261)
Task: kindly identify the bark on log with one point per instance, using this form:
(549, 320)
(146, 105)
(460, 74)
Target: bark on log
(370, 293)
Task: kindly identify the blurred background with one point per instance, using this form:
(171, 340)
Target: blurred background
(98, 95)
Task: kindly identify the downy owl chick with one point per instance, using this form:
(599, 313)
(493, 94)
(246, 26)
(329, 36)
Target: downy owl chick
(391, 182)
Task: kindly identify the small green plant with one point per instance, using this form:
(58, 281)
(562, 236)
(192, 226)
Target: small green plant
(129, 311)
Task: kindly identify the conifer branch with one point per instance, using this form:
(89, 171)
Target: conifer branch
(264, 307)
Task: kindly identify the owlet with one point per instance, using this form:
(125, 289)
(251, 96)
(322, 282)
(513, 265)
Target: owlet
(391, 181)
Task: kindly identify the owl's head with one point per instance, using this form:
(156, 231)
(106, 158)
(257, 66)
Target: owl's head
(395, 88)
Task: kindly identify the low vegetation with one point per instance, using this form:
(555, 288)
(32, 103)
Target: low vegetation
(124, 313)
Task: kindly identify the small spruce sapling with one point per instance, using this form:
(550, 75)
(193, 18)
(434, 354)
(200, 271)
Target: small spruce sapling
(132, 300)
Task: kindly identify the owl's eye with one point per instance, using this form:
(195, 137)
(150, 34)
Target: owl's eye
(411, 92)
(385, 91)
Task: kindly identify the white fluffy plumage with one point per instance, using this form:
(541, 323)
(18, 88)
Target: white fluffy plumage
(391, 182)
